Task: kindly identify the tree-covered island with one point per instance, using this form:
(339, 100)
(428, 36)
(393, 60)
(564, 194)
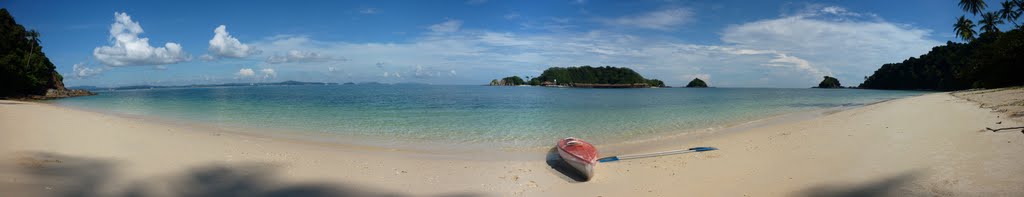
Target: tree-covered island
(584, 77)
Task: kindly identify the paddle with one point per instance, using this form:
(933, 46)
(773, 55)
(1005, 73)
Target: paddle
(655, 154)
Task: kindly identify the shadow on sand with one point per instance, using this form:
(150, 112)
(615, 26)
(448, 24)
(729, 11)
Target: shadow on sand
(61, 175)
(557, 164)
(892, 186)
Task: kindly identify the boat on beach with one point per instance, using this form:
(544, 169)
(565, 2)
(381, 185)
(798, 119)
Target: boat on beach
(579, 154)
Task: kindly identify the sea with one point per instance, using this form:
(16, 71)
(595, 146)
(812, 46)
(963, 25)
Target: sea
(504, 117)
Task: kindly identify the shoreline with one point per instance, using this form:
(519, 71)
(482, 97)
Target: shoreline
(933, 144)
(645, 143)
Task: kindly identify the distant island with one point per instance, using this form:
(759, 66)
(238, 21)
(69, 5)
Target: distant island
(829, 82)
(25, 71)
(137, 87)
(584, 77)
(697, 83)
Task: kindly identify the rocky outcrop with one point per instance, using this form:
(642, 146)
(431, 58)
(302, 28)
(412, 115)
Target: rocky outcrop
(25, 71)
(697, 83)
(829, 82)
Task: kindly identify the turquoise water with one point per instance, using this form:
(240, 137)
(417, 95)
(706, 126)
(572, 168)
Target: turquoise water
(447, 115)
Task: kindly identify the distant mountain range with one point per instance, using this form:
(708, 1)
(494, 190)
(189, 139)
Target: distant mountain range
(136, 87)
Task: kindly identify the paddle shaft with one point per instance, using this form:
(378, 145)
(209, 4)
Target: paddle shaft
(655, 154)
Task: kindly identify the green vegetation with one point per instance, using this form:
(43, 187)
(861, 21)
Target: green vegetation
(830, 82)
(508, 81)
(24, 69)
(594, 75)
(992, 60)
(697, 83)
(584, 76)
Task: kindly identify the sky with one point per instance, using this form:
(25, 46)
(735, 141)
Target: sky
(728, 43)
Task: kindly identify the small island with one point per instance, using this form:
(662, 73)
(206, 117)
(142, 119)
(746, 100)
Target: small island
(829, 82)
(697, 83)
(584, 77)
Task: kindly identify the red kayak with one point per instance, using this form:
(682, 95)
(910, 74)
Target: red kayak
(579, 154)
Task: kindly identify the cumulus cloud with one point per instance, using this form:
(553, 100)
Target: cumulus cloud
(268, 73)
(128, 49)
(448, 26)
(245, 72)
(225, 45)
(665, 19)
(298, 56)
(81, 71)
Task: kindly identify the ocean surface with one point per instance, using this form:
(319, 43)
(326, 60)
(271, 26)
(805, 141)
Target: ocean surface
(474, 116)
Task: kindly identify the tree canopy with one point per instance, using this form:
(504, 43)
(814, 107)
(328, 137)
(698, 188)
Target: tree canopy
(594, 75)
(992, 60)
(830, 82)
(24, 69)
(697, 83)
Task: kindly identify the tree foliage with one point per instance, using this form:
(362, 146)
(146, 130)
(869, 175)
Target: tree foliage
(964, 28)
(990, 22)
(993, 60)
(697, 83)
(594, 75)
(830, 82)
(24, 69)
(973, 6)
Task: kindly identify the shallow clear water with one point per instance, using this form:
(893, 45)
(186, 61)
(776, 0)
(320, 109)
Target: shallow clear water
(441, 114)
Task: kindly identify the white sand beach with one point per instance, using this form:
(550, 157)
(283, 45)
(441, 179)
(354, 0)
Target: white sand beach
(930, 145)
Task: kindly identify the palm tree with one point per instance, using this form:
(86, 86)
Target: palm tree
(989, 22)
(1010, 11)
(973, 6)
(33, 37)
(964, 28)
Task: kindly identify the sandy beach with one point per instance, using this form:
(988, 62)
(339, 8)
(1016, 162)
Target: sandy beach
(930, 145)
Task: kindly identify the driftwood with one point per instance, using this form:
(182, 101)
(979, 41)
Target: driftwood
(1007, 128)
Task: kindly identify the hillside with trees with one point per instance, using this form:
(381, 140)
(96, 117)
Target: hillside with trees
(830, 82)
(697, 83)
(585, 77)
(993, 59)
(25, 72)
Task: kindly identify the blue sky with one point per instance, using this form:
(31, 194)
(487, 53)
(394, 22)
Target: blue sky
(728, 43)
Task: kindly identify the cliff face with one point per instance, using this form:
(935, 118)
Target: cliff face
(25, 71)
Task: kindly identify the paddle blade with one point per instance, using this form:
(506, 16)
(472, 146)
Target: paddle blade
(608, 159)
(702, 149)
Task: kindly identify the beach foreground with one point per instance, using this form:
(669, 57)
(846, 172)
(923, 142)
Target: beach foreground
(935, 144)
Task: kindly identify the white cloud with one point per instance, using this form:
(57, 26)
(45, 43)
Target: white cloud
(81, 71)
(245, 72)
(298, 56)
(225, 45)
(268, 73)
(665, 19)
(368, 11)
(447, 26)
(831, 39)
(207, 57)
(128, 49)
(751, 52)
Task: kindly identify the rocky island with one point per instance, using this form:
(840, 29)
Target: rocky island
(697, 83)
(25, 72)
(584, 77)
(829, 82)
